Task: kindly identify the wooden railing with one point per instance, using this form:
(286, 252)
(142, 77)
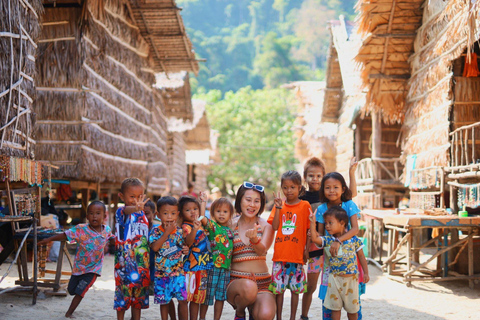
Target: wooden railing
(464, 154)
(378, 170)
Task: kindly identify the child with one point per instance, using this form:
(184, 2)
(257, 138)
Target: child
(199, 259)
(91, 239)
(167, 241)
(291, 242)
(334, 192)
(132, 274)
(221, 240)
(313, 172)
(343, 277)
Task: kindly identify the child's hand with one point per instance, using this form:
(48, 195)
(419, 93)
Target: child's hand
(43, 242)
(140, 202)
(366, 278)
(203, 197)
(170, 227)
(252, 233)
(334, 248)
(309, 233)
(312, 216)
(353, 165)
(305, 256)
(277, 200)
(196, 224)
(185, 250)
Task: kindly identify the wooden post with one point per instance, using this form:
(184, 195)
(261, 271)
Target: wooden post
(376, 136)
(83, 217)
(390, 250)
(470, 261)
(416, 241)
(35, 261)
(58, 273)
(409, 255)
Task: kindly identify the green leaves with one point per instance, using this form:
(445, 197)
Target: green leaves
(255, 137)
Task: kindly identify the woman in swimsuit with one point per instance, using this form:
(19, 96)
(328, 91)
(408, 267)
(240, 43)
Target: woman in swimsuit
(249, 276)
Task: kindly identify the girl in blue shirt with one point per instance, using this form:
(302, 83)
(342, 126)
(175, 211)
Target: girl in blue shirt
(334, 192)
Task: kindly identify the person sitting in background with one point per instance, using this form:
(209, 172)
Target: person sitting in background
(190, 192)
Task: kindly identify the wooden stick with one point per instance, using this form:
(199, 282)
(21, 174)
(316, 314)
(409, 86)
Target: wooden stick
(394, 254)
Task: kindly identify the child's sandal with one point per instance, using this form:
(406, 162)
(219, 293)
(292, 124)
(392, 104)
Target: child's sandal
(303, 318)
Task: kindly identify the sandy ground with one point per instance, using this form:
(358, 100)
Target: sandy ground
(385, 299)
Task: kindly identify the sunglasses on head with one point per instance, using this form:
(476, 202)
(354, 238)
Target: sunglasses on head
(249, 185)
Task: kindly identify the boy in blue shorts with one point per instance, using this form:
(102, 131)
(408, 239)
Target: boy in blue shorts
(167, 241)
(132, 274)
(91, 239)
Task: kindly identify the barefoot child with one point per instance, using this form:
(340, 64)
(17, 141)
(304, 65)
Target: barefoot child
(132, 274)
(199, 259)
(343, 276)
(221, 240)
(166, 241)
(313, 172)
(291, 242)
(91, 239)
(334, 192)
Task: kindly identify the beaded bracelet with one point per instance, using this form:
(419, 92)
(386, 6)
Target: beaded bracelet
(255, 243)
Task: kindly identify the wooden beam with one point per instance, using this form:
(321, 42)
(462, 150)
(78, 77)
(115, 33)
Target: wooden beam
(394, 35)
(389, 76)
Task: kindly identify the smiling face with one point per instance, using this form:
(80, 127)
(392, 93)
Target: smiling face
(96, 215)
(290, 190)
(334, 226)
(168, 214)
(222, 214)
(131, 194)
(190, 211)
(314, 178)
(150, 215)
(333, 191)
(250, 203)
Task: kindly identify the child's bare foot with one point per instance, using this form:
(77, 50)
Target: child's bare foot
(71, 316)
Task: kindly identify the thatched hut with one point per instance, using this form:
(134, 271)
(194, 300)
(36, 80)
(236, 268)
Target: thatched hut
(19, 32)
(361, 131)
(442, 121)
(314, 136)
(99, 118)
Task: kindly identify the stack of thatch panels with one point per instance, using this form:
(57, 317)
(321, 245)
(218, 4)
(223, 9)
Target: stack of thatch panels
(447, 31)
(100, 119)
(389, 32)
(19, 30)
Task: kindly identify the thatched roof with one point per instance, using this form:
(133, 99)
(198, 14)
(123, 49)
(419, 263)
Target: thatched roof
(19, 30)
(176, 95)
(99, 118)
(161, 25)
(388, 27)
(449, 28)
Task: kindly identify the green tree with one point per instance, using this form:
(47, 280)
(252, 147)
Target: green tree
(256, 141)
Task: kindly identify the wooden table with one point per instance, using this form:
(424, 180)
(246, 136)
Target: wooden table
(416, 271)
(375, 239)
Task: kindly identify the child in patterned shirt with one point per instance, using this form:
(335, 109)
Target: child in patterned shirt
(166, 241)
(343, 278)
(221, 241)
(91, 239)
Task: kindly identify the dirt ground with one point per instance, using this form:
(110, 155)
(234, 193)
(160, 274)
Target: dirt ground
(385, 299)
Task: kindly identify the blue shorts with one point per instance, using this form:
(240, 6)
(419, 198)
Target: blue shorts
(167, 288)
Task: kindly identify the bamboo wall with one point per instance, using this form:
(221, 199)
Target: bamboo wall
(19, 29)
(99, 117)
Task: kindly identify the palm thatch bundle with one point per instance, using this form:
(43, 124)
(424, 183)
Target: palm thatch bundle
(447, 31)
(19, 30)
(100, 118)
(388, 28)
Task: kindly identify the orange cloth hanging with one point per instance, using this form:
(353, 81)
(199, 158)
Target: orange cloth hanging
(471, 68)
